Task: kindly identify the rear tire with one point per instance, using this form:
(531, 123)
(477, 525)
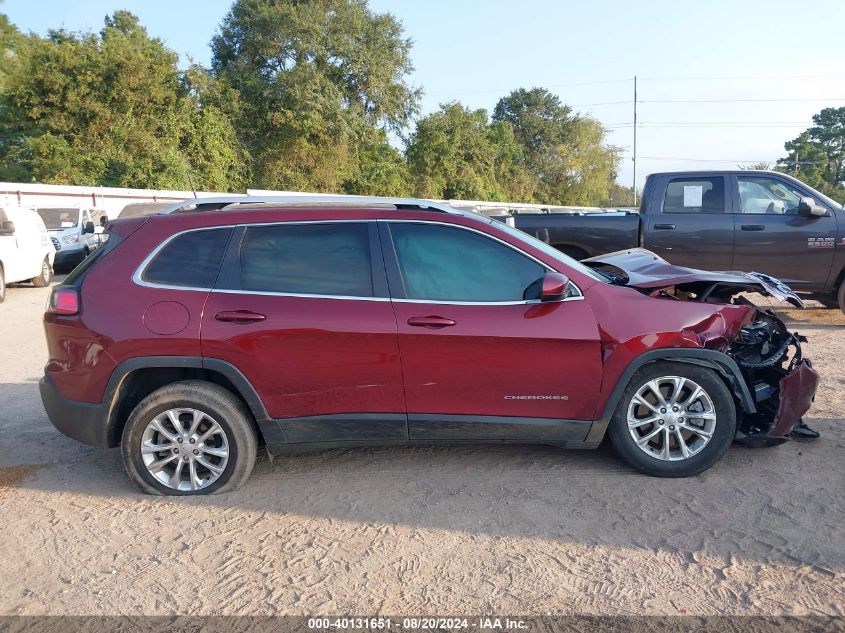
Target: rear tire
(189, 438)
(2, 284)
(677, 443)
(43, 280)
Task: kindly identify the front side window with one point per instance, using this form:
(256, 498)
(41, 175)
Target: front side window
(313, 259)
(770, 196)
(695, 195)
(190, 260)
(441, 263)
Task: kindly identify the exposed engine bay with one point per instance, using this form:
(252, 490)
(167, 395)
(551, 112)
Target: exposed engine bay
(769, 356)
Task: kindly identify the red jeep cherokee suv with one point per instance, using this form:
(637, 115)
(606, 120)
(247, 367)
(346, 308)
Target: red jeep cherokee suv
(194, 335)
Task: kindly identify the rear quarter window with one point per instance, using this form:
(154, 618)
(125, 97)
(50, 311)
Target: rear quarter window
(190, 260)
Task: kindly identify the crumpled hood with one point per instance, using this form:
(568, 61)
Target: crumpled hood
(645, 270)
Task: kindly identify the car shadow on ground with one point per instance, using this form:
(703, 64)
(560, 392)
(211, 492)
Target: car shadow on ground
(788, 499)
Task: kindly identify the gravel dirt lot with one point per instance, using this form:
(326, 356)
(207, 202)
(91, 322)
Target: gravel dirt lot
(438, 531)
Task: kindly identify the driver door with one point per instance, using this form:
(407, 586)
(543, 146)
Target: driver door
(771, 237)
(482, 358)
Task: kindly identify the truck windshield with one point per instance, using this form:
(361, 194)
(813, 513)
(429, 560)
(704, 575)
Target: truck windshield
(57, 219)
(551, 251)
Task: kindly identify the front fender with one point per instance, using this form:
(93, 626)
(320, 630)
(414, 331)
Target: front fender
(718, 361)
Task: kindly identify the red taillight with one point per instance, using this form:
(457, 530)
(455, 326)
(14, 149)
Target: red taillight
(64, 301)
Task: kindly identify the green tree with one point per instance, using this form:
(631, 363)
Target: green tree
(318, 79)
(618, 196)
(566, 153)
(382, 170)
(817, 156)
(539, 121)
(455, 153)
(113, 109)
(10, 42)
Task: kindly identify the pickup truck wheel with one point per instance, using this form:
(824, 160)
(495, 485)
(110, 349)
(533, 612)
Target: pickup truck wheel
(2, 285)
(189, 438)
(827, 302)
(43, 280)
(840, 296)
(674, 420)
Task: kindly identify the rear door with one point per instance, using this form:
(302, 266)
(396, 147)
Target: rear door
(690, 222)
(482, 358)
(302, 310)
(772, 238)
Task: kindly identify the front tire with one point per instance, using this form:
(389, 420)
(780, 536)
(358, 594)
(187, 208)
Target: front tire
(189, 438)
(673, 420)
(43, 280)
(840, 296)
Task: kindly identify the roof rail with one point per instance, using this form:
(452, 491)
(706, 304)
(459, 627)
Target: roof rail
(216, 203)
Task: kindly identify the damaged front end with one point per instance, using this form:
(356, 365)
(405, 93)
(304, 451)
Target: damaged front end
(781, 381)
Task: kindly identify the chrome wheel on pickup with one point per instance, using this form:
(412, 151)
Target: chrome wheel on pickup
(671, 418)
(674, 419)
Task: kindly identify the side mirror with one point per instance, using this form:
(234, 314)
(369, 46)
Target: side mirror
(808, 208)
(89, 228)
(554, 287)
(7, 228)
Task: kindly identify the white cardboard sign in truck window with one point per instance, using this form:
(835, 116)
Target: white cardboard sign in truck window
(693, 195)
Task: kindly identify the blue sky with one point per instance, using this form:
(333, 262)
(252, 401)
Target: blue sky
(786, 60)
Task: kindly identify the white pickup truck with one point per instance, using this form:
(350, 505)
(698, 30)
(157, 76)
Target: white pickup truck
(26, 251)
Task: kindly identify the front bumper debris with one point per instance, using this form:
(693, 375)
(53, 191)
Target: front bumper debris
(797, 391)
(795, 394)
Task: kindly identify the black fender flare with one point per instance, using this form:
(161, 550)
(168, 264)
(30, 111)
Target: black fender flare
(722, 363)
(241, 383)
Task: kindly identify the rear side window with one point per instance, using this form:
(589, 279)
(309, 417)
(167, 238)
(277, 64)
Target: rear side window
(695, 195)
(191, 260)
(315, 259)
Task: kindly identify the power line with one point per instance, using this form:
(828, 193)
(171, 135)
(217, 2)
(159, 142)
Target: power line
(708, 160)
(724, 77)
(712, 123)
(649, 126)
(740, 100)
(508, 90)
(584, 105)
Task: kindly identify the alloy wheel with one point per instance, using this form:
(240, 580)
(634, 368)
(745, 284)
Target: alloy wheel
(185, 449)
(671, 418)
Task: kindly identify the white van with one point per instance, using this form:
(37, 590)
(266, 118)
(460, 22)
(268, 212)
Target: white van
(74, 232)
(26, 252)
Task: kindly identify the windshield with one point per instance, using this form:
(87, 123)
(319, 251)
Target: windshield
(551, 251)
(57, 219)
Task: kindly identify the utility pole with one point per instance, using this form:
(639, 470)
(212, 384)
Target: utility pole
(635, 140)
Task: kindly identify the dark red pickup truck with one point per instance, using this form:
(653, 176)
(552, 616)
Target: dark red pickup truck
(758, 221)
